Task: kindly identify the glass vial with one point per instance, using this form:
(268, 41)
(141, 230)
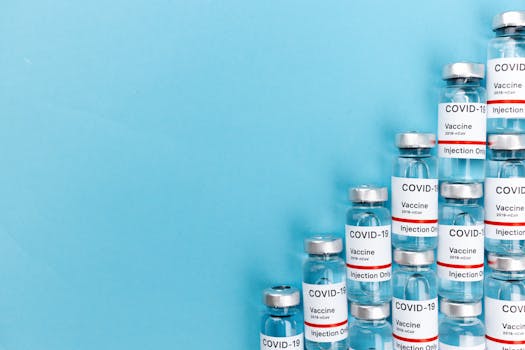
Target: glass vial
(414, 305)
(415, 193)
(324, 294)
(462, 123)
(505, 303)
(370, 328)
(282, 322)
(460, 327)
(368, 246)
(506, 74)
(505, 194)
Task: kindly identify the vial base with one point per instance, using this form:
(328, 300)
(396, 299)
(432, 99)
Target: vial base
(414, 243)
(340, 345)
(505, 125)
(461, 170)
(368, 293)
(505, 246)
(461, 291)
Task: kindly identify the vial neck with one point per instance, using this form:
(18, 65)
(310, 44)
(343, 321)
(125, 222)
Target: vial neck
(474, 82)
(369, 204)
(509, 275)
(323, 257)
(467, 320)
(371, 323)
(463, 201)
(281, 311)
(415, 152)
(508, 154)
(412, 268)
(510, 31)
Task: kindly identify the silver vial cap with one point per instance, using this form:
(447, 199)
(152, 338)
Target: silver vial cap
(508, 142)
(458, 309)
(323, 245)
(508, 19)
(368, 194)
(506, 263)
(370, 312)
(463, 70)
(457, 190)
(415, 140)
(281, 296)
(412, 258)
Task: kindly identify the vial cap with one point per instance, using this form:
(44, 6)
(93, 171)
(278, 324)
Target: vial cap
(458, 309)
(456, 190)
(508, 19)
(281, 296)
(415, 140)
(506, 263)
(323, 245)
(368, 194)
(507, 141)
(463, 70)
(370, 312)
(413, 258)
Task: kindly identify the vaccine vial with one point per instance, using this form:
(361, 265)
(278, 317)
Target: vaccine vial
(414, 305)
(368, 246)
(505, 194)
(461, 242)
(282, 322)
(415, 193)
(506, 74)
(324, 294)
(505, 303)
(462, 123)
(370, 328)
(460, 327)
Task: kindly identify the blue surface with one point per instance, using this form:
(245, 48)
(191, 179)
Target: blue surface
(162, 160)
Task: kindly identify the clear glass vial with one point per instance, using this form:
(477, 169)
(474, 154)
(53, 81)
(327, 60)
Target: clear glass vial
(461, 242)
(324, 294)
(460, 327)
(505, 194)
(370, 328)
(415, 193)
(282, 322)
(368, 246)
(462, 123)
(506, 74)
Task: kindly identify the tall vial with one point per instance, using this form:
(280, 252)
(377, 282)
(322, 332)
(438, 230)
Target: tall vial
(282, 322)
(505, 303)
(415, 193)
(460, 327)
(368, 246)
(370, 328)
(324, 294)
(506, 74)
(461, 242)
(414, 305)
(462, 123)
(505, 194)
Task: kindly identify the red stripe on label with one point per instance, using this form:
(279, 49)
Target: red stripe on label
(415, 340)
(368, 267)
(415, 221)
(505, 341)
(490, 102)
(459, 266)
(481, 143)
(326, 325)
(497, 223)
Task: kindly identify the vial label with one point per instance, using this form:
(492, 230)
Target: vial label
(506, 87)
(415, 207)
(368, 253)
(325, 312)
(443, 346)
(505, 208)
(415, 324)
(505, 324)
(290, 343)
(462, 129)
(460, 253)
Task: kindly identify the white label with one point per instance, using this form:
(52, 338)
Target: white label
(505, 323)
(325, 312)
(452, 347)
(414, 207)
(462, 129)
(290, 343)
(506, 87)
(505, 208)
(415, 323)
(368, 253)
(460, 253)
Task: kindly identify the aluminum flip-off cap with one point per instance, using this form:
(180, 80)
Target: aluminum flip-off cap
(370, 312)
(320, 245)
(368, 194)
(510, 142)
(458, 309)
(463, 70)
(415, 140)
(281, 296)
(506, 263)
(508, 19)
(455, 190)
(412, 258)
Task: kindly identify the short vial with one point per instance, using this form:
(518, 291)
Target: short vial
(282, 322)
(505, 303)
(415, 193)
(505, 194)
(324, 294)
(460, 327)
(462, 123)
(415, 302)
(506, 74)
(368, 246)
(461, 242)
(370, 328)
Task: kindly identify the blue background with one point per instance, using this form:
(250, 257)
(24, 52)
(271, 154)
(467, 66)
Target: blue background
(161, 161)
